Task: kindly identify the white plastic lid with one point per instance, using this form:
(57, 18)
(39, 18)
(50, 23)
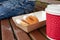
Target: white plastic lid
(53, 9)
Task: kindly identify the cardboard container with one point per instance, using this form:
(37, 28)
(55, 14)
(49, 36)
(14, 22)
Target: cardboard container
(41, 17)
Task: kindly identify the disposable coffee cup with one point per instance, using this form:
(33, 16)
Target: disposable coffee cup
(53, 21)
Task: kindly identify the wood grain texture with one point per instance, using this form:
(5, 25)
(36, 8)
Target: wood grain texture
(43, 30)
(36, 35)
(6, 30)
(0, 30)
(21, 35)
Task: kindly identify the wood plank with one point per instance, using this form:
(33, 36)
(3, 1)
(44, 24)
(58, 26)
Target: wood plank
(7, 33)
(43, 30)
(21, 35)
(0, 30)
(36, 35)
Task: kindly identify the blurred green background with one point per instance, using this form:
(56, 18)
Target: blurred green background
(40, 6)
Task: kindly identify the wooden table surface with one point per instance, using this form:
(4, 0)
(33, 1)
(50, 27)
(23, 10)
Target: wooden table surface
(9, 31)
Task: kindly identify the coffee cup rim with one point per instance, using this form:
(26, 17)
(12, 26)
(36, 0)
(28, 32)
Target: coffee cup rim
(53, 9)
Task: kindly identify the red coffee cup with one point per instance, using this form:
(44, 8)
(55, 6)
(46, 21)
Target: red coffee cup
(53, 21)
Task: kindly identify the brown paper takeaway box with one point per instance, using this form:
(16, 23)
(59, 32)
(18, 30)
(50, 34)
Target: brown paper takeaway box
(41, 15)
